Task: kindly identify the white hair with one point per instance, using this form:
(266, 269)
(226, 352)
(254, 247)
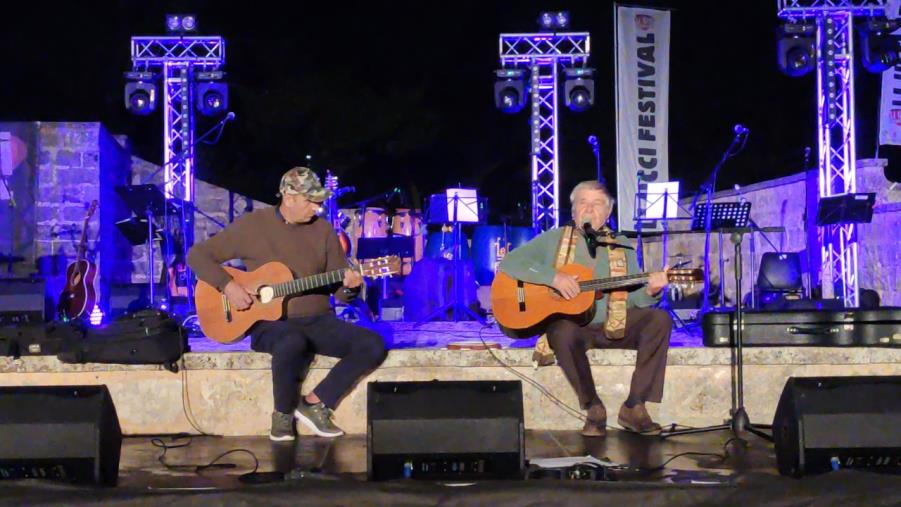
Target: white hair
(592, 185)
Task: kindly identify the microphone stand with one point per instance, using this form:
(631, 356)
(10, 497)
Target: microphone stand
(737, 144)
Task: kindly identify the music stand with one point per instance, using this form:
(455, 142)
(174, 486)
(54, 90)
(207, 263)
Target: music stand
(662, 200)
(721, 215)
(461, 206)
(147, 201)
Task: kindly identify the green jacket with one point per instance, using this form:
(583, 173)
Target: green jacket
(534, 263)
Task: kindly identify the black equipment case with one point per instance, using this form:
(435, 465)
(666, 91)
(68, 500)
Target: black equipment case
(144, 337)
(795, 328)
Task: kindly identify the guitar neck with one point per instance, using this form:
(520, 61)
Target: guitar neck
(615, 282)
(308, 283)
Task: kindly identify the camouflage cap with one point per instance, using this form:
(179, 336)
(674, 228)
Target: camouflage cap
(303, 181)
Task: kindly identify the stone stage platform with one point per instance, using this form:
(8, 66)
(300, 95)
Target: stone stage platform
(226, 390)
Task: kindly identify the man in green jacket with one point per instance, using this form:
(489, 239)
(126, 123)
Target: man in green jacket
(637, 326)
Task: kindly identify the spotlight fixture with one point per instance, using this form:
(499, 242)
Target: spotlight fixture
(578, 89)
(140, 93)
(796, 49)
(510, 90)
(878, 46)
(210, 93)
(553, 21)
(181, 23)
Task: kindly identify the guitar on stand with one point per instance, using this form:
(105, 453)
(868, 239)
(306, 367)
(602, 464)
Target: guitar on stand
(80, 294)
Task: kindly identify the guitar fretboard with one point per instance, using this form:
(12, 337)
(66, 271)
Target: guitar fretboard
(615, 282)
(308, 283)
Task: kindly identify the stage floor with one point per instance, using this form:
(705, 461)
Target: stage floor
(746, 477)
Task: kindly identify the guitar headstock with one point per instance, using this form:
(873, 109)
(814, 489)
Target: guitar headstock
(685, 276)
(91, 209)
(380, 267)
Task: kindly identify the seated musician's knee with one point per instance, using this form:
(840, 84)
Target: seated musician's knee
(563, 334)
(371, 346)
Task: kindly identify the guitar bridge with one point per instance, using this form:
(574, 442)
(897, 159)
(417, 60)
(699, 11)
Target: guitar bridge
(226, 309)
(521, 295)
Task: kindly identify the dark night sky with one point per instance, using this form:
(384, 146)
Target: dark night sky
(400, 93)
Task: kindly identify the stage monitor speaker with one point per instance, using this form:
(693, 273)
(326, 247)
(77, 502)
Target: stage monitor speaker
(67, 433)
(21, 301)
(825, 423)
(445, 430)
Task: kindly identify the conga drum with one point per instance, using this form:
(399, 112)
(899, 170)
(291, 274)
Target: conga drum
(373, 223)
(407, 222)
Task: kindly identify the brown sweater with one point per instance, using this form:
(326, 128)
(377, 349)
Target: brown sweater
(263, 236)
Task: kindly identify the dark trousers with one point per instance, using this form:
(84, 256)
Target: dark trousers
(292, 344)
(647, 331)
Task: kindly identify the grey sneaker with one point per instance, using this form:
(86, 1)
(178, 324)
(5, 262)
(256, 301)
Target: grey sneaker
(282, 427)
(318, 418)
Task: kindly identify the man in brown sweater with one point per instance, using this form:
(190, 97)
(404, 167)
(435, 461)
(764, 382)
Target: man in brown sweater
(292, 234)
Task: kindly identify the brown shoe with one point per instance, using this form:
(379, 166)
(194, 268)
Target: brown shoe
(596, 421)
(637, 420)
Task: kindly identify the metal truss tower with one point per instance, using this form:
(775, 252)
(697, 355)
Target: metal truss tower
(542, 54)
(176, 59)
(835, 126)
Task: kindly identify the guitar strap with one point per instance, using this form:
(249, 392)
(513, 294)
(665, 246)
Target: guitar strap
(543, 355)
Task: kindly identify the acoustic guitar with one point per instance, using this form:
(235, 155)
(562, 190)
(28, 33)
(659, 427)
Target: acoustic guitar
(270, 285)
(525, 309)
(80, 294)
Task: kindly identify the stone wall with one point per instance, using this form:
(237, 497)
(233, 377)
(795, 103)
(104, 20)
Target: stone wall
(784, 202)
(80, 162)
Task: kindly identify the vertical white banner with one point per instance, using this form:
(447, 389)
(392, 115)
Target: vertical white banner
(890, 105)
(642, 105)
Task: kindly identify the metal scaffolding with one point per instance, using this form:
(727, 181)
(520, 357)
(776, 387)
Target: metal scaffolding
(835, 126)
(542, 54)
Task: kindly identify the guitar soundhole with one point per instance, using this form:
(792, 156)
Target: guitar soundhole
(267, 294)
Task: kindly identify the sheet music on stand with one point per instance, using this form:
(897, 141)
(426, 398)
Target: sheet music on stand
(724, 215)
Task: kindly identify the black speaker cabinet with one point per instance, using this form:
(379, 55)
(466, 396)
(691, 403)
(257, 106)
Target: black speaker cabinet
(68, 433)
(445, 430)
(21, 301)
(823, 423)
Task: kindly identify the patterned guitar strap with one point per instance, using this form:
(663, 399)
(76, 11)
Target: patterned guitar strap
(615, 327)
(543, 355)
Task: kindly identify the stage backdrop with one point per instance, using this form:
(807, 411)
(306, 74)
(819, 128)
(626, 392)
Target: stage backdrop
(642, 105)
(890, 107)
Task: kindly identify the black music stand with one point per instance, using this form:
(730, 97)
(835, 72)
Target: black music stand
(719, 216)
(146, 201)
(440, 206)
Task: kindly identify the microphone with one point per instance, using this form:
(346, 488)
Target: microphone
(739, 129)
(593, 140)
(230, 116)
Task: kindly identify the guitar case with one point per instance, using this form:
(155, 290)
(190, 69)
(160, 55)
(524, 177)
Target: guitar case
(144, 337)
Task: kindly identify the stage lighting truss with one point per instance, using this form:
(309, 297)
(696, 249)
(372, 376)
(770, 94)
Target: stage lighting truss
(834, 20)
(542, 54)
